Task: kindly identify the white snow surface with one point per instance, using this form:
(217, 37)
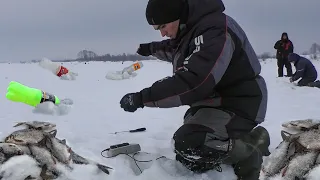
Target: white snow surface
(96, 113)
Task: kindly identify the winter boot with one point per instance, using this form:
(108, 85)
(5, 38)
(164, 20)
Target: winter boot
(289, 70)
(280, 72)
(246, 154)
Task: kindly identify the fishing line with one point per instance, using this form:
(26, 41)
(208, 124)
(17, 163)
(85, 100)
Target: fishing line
(132, 157)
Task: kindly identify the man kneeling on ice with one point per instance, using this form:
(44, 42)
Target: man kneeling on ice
(216, 73)
(304, 70)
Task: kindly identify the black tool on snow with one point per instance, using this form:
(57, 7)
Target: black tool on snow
(124, 148)
(132, 131)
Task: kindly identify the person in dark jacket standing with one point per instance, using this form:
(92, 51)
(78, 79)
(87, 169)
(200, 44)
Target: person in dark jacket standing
(217, 73)
(283, 46)
(304, 70)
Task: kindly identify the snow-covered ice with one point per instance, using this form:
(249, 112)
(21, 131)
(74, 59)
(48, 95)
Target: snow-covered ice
(96, 113)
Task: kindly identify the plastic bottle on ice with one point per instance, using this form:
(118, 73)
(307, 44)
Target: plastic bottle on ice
(55, 68)
(134, 67)
(18, 92)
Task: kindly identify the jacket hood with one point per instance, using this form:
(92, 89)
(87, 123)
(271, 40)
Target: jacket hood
(199, 8)
(293, 57)
(284, 33)
(193, 11)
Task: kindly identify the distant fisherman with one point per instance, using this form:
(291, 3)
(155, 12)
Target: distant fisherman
(304, 70)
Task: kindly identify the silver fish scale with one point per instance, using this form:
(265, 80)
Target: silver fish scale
(310, 139)
(300, 165)
(276, 160)
(60, 151)
(25, 136)
(43, 156)
(10, 149)
(26, 150)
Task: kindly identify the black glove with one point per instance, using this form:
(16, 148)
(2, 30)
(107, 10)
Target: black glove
(291, 79)
(131, 102)
(144, 49)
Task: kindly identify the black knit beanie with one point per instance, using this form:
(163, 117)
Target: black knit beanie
(160, 12)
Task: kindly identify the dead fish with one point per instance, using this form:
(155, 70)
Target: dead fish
(310, 139)
(8, 150)
(28, 136)
(77, 159)
(302, 125)
(45, 159)
(42, 155)
(41, 139)
(276, 160)
(59, 150)
(299, 166)
(38, 125)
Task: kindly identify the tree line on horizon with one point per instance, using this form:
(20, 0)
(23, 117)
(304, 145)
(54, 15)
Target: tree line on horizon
(87, 55)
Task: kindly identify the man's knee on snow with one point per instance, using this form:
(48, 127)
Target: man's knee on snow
(306, 81)
(315, 84)
(214, 119)
(197, 147)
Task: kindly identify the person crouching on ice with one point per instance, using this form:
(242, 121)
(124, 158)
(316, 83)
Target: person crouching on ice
(217, 74)
(304, 70)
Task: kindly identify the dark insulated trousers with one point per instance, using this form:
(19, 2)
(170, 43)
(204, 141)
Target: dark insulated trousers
(306, 81)
(206, 138)
(281, 62)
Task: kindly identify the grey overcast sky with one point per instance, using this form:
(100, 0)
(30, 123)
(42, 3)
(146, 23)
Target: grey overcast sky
(59, 29)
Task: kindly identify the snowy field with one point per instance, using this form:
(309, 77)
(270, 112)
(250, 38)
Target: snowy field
(96, 114)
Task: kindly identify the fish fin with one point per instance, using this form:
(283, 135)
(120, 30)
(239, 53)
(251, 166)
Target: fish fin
(104, 168)
(285, 135)
(44, 175)
(29, 177)
(19, 124)
(64, 141)
(43, 142)
(55, 161)
(53, 133)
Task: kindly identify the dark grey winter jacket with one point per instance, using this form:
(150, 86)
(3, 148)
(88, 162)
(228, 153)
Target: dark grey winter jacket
(213, 64)
(304, 67)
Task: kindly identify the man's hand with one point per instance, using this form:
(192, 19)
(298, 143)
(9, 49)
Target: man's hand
(291, 80)
(131, 102)
(144, 49)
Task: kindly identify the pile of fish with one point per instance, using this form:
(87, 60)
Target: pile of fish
(38, 140)
(297, 156)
